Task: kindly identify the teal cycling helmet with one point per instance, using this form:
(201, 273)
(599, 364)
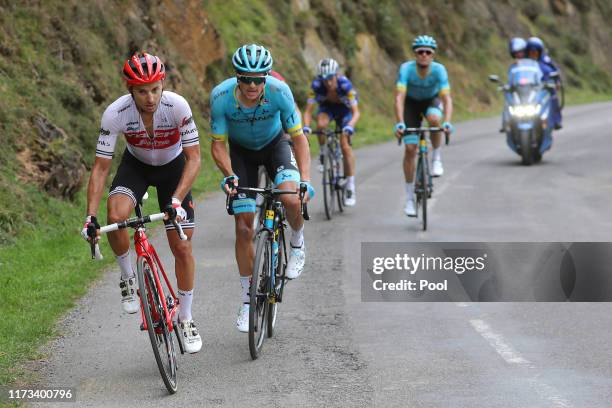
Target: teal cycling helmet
(424, 41)
(252, 58)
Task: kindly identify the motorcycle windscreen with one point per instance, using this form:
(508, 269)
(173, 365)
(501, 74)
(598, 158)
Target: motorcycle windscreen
(526, 94)
(525, 73)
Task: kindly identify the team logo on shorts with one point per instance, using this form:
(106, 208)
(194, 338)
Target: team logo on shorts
(293, 162)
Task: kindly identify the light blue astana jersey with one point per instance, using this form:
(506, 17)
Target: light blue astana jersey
(435, 82)
(253, 128)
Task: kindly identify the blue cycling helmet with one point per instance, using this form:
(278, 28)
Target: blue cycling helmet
(252, 58)
(424, 41)
(516, 44)
(534, 43)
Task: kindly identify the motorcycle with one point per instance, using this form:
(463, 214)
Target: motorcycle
(525, 116)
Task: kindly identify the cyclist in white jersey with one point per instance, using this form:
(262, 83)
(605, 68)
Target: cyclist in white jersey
(162, 151)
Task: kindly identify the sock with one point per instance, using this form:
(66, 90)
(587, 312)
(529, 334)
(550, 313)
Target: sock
(350, 183)
(125, 264)
(322, 151)
(437, 154)
(409, 191)
(185, 299)
(245, 282)
(297, 237)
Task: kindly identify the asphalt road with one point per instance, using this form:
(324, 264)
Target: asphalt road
(332, 349)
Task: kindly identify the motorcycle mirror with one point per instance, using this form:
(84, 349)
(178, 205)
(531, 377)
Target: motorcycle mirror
(493, 78)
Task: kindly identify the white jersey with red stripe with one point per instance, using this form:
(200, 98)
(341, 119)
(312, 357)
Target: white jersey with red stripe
(173, 128)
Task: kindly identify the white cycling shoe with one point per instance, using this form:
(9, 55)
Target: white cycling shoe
(297, 259)
(350, 198)
(436, 168)
(129, 296)
(242, 323)
(410, 209)
(192, 342)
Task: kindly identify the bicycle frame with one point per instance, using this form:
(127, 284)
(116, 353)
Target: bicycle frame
(144, 249)
(422, 162)
(423, 186)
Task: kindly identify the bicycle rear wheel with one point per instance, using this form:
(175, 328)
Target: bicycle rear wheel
(258, 291)
(159, 333)
(328, 185)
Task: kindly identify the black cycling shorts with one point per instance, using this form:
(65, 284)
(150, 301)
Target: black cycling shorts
(278, 159)
(134, 177)
(415, 110)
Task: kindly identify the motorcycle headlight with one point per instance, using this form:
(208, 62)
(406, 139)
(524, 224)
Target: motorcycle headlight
(525, 111)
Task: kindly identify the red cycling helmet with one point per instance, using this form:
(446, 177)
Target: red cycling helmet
(143, 69)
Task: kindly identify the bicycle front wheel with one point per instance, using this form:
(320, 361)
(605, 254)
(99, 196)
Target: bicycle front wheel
(338, 187)
(159, 334)
(279, 282)
(258, 292)
(424, 189)
(329, 187)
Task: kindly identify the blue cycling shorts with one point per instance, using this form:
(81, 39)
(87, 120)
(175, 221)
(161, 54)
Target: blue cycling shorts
(338, 112)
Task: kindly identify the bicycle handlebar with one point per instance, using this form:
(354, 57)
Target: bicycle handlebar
(327, 132)
(266, 192)
(130, 222)
(420, 130)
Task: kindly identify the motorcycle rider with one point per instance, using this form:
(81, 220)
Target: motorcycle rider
(536, 51)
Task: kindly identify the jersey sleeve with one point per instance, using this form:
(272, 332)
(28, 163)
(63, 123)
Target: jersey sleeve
(312, 93)
(109, 130)
(443, 78)
(402, 78)
(186, 125)
(289, 116)
(218, 122)
(351, 93)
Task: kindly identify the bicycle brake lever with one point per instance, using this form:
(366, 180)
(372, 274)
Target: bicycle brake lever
(303, 205)
(228, 204)
(179, 230)
(97, 254)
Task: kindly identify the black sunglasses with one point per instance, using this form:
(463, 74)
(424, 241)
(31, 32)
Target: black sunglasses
(257, 80)
(424, 52)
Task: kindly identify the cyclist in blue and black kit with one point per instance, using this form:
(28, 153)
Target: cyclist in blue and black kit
(337, 101)
(422, 90)
(250, 110)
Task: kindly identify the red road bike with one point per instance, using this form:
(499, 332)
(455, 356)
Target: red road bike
(158, 300)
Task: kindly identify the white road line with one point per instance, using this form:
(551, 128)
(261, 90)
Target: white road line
(497, 342)
(511, 356)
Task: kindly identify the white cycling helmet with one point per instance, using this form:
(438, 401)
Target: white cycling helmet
(327, 67)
